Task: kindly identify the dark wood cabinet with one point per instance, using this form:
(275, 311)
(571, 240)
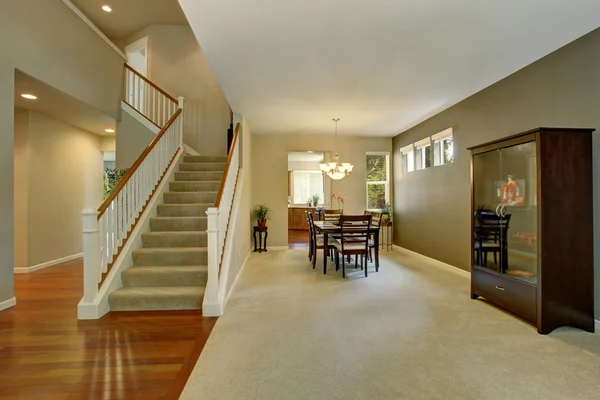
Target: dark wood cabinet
(532, 226)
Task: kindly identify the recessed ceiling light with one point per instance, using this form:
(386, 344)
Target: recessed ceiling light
(109, 130)
(29, 96)
(106, 8)
(310, 151)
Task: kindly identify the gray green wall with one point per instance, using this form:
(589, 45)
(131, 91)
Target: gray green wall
(432, 206)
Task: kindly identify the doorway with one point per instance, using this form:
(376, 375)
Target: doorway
(137, 58)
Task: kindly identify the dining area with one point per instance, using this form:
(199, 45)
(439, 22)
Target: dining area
(345, 241)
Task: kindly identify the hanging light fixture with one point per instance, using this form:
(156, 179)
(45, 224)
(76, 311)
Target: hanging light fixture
(334, 169)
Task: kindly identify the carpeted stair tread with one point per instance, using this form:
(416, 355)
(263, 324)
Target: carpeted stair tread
(163, 224)
(198, 175)
(204, 159)
(189, 197)
(183, 210)
(194, 186)
(203, 166)
(171, 275)
(170, 256)
(174, 239)
(157, 298)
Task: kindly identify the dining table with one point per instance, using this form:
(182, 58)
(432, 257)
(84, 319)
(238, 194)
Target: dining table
(331, 228)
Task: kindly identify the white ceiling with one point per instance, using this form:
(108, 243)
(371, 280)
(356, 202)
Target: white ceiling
(129, 16)
(382, 66)
(59, 105)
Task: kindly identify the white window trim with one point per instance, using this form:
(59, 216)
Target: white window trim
(423, 143)
(445, 134)
(387, 175)
(404, 151)
(437, 139)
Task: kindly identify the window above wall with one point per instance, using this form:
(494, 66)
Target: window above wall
(432, 151)
(408, 158)
(423, 157)
(443, 147)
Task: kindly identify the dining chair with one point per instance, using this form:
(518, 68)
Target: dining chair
(330, 215)
(317, 242)
(377, 218)
(354, 240)
(491, 234)
(310, 238)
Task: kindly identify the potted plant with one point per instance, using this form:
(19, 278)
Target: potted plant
(315, 200)
(387, 209)
(261, 213)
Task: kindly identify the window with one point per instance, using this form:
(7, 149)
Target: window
(423, 153)
(305, 184)
(443, 147)
(378, 180)
(408, 158)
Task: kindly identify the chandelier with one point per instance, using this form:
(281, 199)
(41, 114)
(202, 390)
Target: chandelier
(333, 168)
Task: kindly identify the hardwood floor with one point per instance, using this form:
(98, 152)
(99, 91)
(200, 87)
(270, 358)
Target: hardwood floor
(297, 239)
(46, 353)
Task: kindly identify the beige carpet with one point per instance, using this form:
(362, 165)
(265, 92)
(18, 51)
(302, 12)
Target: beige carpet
(408, 332)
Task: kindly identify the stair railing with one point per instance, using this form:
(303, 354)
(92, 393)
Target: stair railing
(156, 105)
(218, 224)
(107, 229)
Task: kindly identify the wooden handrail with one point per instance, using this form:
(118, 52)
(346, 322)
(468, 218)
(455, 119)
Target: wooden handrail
(104, 206)
(149, 82)
(220, 193)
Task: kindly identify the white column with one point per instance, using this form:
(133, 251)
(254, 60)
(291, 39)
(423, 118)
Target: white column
(211, 305)
(91, 255)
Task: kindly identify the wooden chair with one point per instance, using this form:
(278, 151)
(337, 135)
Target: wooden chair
(317, 242)
(310, 238)
(491, 234)
(354, 240)
(377, 218)
(330, 215)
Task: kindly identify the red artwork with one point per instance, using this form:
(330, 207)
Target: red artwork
(512, 192)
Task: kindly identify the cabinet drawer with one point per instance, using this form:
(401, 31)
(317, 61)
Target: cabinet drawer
(518, 297)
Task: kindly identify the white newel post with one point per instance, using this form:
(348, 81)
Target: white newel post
(91, 255)
(181, 102)
(211, 306)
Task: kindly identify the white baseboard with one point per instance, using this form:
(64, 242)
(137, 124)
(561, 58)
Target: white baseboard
(8, 303)
(451, 268)
(27, 270)
(100, 306)
(212, 309)
(237, 278)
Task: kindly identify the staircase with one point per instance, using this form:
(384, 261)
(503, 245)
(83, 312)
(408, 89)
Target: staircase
(170, 271)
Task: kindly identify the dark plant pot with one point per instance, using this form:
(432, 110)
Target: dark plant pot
(262, 223)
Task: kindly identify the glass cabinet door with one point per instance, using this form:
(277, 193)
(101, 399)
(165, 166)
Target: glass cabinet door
(517, 201)
(486, 221)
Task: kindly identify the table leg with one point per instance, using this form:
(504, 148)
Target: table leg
(325, 250)
(377, 250)
(266, 235)
(255, 249)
